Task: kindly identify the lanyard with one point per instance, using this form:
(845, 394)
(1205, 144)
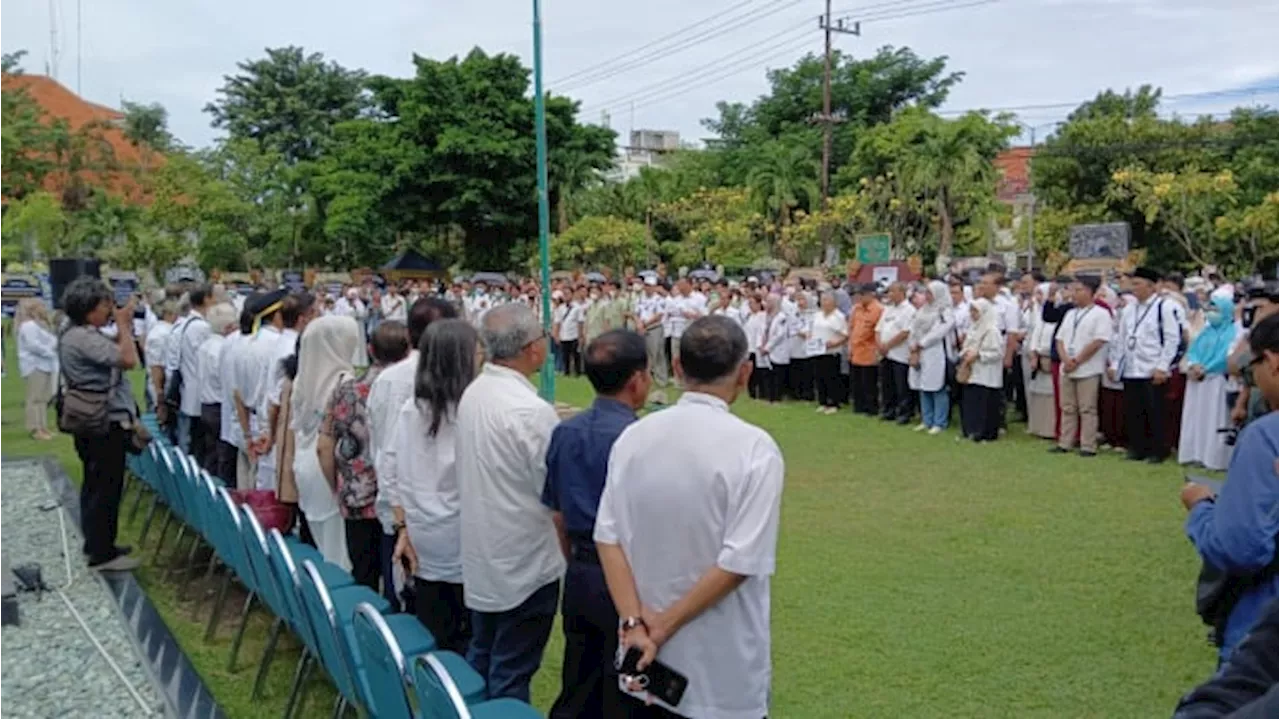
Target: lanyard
(1136, 325)
(1076, 325)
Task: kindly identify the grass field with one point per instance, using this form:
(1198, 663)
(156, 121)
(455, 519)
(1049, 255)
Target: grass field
(917, 577)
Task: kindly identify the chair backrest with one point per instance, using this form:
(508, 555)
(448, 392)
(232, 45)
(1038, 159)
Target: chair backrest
(318, 606)
(255, 542)
(230, 539)
(384, 664)
(437, 694)
(286, 571)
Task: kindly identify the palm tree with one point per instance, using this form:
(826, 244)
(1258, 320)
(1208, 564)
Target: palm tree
(783, 176)
(947, 159)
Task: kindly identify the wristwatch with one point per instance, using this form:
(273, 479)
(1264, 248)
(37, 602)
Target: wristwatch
(397, 527)
(629, 623)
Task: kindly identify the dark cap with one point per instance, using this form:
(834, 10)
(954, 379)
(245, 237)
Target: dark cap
(1146, 273)
(266, 302)
(868, 288)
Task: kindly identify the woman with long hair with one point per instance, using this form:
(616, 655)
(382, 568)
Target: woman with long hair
(775, 350)
(754, 326)
(1037, 366)
(37, 363)
(325, 351)
(981, 369)
(95, 366)
(425, 496)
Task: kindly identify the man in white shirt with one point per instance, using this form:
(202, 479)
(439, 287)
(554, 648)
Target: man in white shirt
(155, 352)
(222, 322)
(512, 560)
(1083, 335)
(570, 333)
(687, 533)
(685, 306)
(1143, 356)
(182, 365)
(393, 304)
(388, 393)
(898, 401)
(235, 463)
(296, 310)
(650, 314)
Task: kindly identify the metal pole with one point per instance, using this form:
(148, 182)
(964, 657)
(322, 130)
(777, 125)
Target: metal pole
(548, 375)
(1031, 217)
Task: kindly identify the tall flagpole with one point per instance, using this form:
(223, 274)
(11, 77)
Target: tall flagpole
(548, 376)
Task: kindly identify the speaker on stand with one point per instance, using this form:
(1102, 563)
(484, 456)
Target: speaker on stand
(64, 271)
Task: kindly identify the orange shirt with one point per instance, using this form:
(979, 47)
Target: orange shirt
(862, 334)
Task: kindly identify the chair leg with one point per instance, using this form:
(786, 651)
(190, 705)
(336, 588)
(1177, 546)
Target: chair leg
(244, 623)
(164, 529)
(202, 586)
(296, 692)
(137, 501)
(339, 707)
(146, 524)
(216, 615)
(187, 570)
(268, 654)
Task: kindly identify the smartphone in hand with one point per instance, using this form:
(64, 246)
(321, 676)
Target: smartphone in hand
(658, 679)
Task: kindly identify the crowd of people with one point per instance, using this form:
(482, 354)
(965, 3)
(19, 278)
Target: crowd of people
(403, 431)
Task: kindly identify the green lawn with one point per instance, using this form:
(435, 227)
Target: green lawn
(917, 577)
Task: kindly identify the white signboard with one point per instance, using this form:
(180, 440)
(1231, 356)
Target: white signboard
(884, 275)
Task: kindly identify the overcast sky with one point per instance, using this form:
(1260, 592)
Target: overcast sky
(1015, 53)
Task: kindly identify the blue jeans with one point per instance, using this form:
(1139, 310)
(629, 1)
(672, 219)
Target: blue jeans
(506, 647)
(935, 408)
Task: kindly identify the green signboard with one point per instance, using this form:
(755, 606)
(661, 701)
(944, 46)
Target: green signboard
(874, 249)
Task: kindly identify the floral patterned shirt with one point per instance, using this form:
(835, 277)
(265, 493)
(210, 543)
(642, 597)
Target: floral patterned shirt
(348, 423)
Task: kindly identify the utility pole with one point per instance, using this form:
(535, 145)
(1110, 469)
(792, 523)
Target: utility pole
(826, 118)
(1031, 215)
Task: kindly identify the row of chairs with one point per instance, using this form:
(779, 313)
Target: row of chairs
(383, 664)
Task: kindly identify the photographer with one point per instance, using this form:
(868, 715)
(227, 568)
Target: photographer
(1261, 301)
(1235, 532)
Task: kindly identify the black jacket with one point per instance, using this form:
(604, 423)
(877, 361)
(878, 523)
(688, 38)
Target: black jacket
(1245, 686)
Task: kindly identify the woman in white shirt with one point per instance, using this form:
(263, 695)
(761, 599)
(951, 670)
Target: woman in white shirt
(775, 349)
(801, 372)
(1042, 418)
(754, 325)
(931, 331)
(37, 363)
(425, 496)
(982, 371)
(570, 331)
(829, 332)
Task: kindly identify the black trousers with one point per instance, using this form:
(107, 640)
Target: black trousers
(1016, 388)
(572, 359)
(364, 549)
(197, 445)
(827, 370)
(757, 374)
(588, 683)
(103, 462)
(1144, 419)
(771, 382)
(866, 388)
(210, 434)
(802, 374)
(899, 400)
(441, 609)
(983, 407)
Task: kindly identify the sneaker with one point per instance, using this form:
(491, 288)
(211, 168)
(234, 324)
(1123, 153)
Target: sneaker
(820, 410)
(121, 563)
(832, 410)
(1088, 453)
(935, 430)
(920, 427)
(1058, 450)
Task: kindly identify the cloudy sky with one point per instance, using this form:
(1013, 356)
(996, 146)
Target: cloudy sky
(1016, 53)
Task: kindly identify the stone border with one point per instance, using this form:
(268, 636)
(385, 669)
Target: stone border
(171, 673)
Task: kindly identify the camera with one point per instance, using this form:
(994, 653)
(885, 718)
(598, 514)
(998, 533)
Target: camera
(1232, 434)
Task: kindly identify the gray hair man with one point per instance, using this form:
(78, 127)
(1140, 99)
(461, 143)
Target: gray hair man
(512, 560)
(687, 531)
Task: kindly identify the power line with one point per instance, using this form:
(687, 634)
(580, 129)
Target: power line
(682, 83)
(598, 73)
(1208, 94)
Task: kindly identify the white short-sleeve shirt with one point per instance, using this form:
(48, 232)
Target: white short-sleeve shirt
(428, 491)
(691, 488)
(1078, 328)
(829, 327)
(509, 544)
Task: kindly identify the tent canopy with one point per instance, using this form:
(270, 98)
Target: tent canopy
(412, 261)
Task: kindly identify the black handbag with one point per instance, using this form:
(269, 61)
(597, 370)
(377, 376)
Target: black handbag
(83, 412)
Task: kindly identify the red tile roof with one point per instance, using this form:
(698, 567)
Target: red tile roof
(59, 102)
(1014, 166)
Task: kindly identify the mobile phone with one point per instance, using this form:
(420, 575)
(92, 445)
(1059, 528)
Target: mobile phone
(658, 679)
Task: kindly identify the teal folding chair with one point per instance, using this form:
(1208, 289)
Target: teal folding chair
(438, 695)
(380, 646)
(165, 469)
(229, 544)
(330, 612)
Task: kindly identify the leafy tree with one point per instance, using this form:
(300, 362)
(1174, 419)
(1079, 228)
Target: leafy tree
(146, 127)
(720, 226)
(27, 140)
(596, 242)
(36, 223)
(783, 177)
(11, 62)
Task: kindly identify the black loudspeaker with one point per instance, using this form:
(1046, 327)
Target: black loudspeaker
(63, 271)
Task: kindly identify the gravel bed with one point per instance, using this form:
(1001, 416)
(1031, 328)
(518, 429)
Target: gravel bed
(49, 666)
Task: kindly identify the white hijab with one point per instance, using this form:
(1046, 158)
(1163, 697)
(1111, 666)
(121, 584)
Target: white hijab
(324, 358)
(986, 324)
(934, 310)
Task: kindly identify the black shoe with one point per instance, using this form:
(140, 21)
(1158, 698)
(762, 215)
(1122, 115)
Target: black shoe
(1088, 453)
(904, 421)
(886, 418)
(1155, 460)
(1058, 450)
(124, 549)
(1134, 457)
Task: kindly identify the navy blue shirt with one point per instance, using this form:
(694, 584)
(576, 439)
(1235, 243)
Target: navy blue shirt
(578, 460)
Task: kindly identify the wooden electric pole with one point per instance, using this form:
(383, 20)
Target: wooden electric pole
(826, 118)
